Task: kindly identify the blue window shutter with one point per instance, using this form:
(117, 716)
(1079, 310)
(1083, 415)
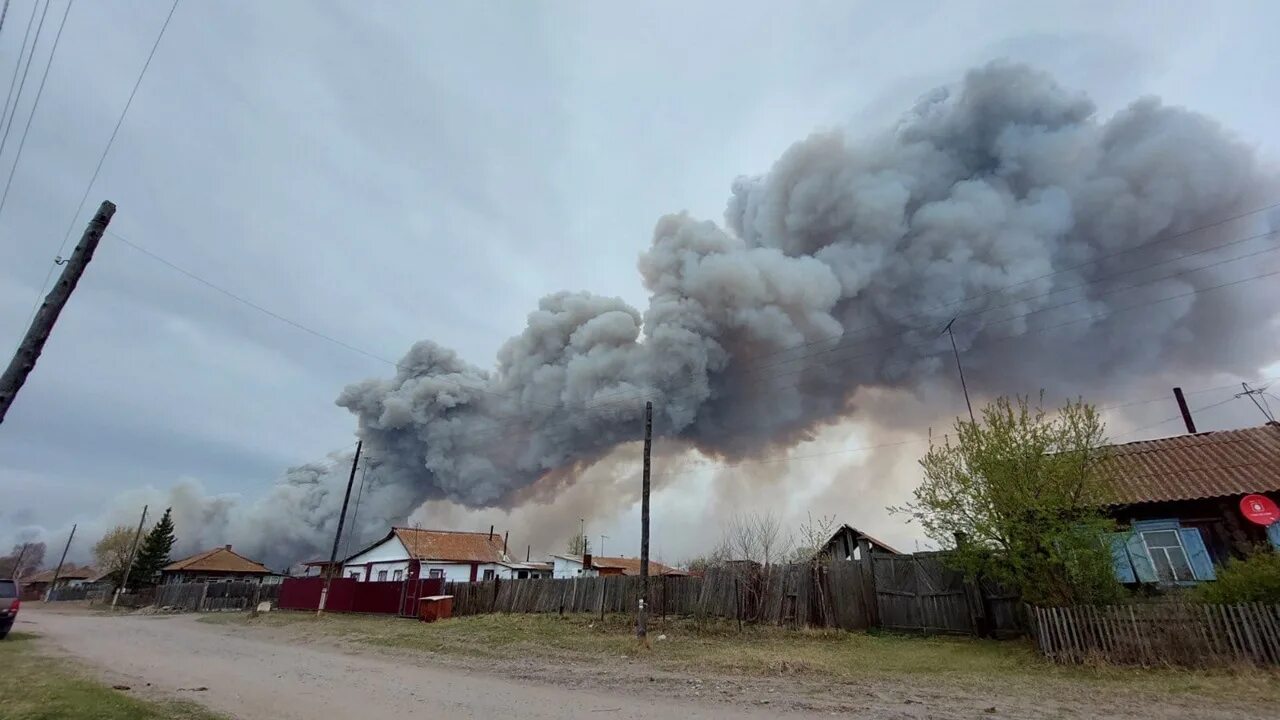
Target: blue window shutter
(1273, 534)
(1142, 567)
(1119, 558)
(1197, 554)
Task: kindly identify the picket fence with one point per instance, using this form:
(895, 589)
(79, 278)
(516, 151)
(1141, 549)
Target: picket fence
(1184, 634)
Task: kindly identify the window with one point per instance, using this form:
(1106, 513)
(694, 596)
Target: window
(382, 576)
(354, 574)
(488, 574)
(435, 573)
(8, 589)
(1168, 556)
(397, 575)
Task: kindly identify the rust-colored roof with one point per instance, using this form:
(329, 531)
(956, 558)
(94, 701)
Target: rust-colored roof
(220, 559)
(69, 572)
(631, 566)
(1191, 467)
(477, 547)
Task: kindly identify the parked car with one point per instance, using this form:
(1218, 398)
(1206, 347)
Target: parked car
(9, 604)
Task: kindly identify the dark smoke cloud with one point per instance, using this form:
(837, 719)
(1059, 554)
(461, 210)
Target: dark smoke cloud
(1006, 178)
(853, 253)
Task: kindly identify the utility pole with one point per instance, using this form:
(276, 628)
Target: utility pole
(58, 572)
(603, 537)
(124, 582)
(337, 536)
(17, 564)
(642, 623)
(582, 533)
(1186, 411)
(959, 367)
(1254, 394)
(24, 360)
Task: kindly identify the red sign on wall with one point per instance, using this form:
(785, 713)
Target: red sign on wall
(1259, 509)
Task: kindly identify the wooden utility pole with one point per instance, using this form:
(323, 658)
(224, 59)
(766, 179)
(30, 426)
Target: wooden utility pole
(959, 367)
(58, 572)
(17, 564)
(642, 623)
(337, 536)
(124, 582)
(24, 360)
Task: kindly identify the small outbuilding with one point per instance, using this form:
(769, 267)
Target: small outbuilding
(220, 564)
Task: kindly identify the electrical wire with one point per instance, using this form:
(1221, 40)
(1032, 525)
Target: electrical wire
(35, 6)
(17, 158)
(22, 84)
(102, 158)
(631, 398)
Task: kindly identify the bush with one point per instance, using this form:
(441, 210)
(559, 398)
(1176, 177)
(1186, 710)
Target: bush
(1255, 579)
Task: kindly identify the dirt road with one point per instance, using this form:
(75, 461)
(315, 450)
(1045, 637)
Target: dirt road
(249, 678)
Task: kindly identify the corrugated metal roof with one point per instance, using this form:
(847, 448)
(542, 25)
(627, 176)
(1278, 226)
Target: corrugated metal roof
(220, 559)
(1192, 467)
(478, 547)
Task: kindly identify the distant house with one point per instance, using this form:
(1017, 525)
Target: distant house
(218, 565)
(1179, 498)
(38, 585)
(843, 544)
(409, 553)
(569, 566)
(317, 568)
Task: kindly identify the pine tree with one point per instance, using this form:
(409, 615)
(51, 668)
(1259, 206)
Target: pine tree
(153, 555)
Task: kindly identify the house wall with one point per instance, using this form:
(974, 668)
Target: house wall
(1225, 531)
(391, 555)
(565, 568)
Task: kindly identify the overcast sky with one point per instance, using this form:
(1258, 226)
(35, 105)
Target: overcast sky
(389, 172)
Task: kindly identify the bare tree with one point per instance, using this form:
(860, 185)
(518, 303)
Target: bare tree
(812, 536)
(756, 536)
(32, 559)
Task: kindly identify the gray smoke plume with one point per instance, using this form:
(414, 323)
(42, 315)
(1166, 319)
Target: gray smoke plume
(835, 272)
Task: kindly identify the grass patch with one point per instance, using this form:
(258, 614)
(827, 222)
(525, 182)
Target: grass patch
(36, 687)
(715, 646)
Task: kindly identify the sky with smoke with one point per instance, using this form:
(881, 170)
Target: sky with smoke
(793, 313)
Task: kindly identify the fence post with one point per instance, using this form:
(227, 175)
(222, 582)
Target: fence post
(869, 599)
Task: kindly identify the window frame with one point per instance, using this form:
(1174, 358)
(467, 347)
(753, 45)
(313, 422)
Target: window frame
(489, 574)
(397, 575)
(382, 576)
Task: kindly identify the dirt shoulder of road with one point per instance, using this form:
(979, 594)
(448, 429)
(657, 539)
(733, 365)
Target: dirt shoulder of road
(815, 671)
(36, 683)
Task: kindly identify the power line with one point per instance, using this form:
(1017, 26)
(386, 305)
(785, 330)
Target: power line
(4, 199)
(294, 323)
(603, 406)
(4, 14)
(105, 151)
(35, 42)
(847, 337)
(35, 6)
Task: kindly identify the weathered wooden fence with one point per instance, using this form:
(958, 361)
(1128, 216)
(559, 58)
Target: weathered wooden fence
(915, 594)
(213, 597)
(1194, 635)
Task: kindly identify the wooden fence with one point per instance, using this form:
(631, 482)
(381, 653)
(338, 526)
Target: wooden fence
(906, 593)
(213, 597)
(1186, 634)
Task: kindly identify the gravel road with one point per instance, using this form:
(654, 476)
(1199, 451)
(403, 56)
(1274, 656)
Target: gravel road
(248, 678)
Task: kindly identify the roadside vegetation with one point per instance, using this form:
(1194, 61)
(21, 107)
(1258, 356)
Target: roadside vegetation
(717, 647)
(34, 686)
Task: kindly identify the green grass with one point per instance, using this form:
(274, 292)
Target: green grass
(37, 687)
(717, 647)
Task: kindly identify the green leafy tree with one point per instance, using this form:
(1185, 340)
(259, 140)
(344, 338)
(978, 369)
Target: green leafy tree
(153, 554)
(1253, 579)
(111, 553)
(1018, 496)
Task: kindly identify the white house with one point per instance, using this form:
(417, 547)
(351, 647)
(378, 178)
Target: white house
(407, 553)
